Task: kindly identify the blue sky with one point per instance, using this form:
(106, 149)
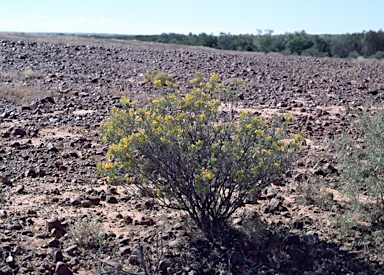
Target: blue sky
(196, 16)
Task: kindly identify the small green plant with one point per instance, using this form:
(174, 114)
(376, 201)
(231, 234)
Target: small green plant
(86, 233)
(363, 166)
(194, 153)
(158, 78)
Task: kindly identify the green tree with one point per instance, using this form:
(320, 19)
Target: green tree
(206, 40)
(344, 44)
(264, 40)
(321, 45)
(298, 42)
(373, 42)
(225, 41)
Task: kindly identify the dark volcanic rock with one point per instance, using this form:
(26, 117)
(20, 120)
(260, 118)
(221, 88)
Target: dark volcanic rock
(19, 132)
(62, 269)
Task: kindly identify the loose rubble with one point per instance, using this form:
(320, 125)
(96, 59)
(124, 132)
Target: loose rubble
(50, 145)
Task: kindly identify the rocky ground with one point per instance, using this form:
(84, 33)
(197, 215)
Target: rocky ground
(54, 93)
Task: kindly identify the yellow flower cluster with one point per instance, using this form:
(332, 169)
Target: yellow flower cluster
(259, 132)
(288, 117)
(158, 83)
(214, 77)
(206, 174)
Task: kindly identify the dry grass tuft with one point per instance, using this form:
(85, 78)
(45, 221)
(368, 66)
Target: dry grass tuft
(21, 93)
(87, 233)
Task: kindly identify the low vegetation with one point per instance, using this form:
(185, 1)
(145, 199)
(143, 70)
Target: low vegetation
(87, 233)
(363, 168)
(16, 89)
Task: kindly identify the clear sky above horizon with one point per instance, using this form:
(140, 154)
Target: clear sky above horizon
(209, 16)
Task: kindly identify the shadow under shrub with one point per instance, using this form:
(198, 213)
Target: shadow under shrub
(194, 153)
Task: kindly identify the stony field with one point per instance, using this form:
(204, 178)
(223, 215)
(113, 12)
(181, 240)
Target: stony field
(54, 93)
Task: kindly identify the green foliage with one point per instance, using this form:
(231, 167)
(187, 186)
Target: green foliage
(374, 42)
(155, 76)
(264, 41)
(194, 153)
(363, 166)
(342, 45)
(225, 41)
(86, 233)
(300, 43)
(321, 46)
(313, 52)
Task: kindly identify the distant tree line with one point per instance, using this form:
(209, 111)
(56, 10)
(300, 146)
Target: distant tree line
(367, 44)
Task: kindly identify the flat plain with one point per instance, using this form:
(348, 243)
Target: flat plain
(56, 90)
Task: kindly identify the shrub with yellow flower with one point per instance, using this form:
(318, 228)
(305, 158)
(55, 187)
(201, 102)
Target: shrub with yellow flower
(195, 156)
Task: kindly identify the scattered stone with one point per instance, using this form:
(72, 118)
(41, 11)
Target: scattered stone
(31, 172)
(94, 199)
(86, 203)
(278, 182)
(5, 180)
(112, 190)
(3, 213)
(145, 221)
(43, 236)
(40, 172)
(58, 256)
(19, 132)
(71, 249)
(51, 148)
(75, 201)
(164, 264)
(128, 220)
(330, 168)
(10, 261)
(40, 253)
(175, 243)
(125, 198)
(52, 223)
(298, 223)
(54, 242)
(111, 199)
(48, 99)
(62, 269)
(20, 189)
(123, 241)
(57, 233)
(150, 204)
(134, 260)
(125, 250)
